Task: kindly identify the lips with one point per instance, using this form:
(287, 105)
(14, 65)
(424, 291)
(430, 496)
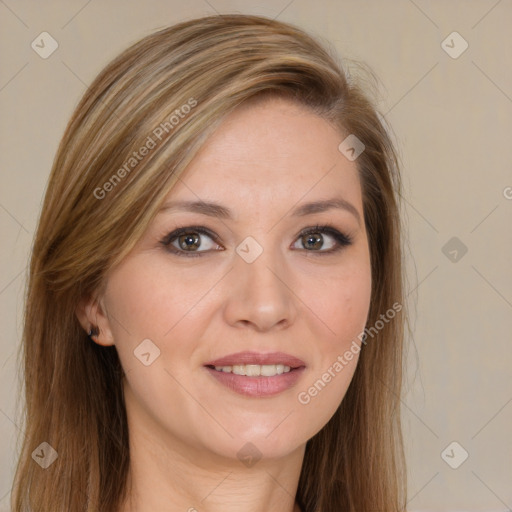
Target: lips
(248, 357)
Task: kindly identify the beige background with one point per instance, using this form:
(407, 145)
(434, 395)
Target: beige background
(453, 123)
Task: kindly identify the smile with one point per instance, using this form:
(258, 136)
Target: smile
(255, 370)
(255, 383)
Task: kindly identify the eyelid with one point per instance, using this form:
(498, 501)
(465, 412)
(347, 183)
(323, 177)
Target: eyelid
(328, 229)
(167, 240)
(189, 229)
(342, 238)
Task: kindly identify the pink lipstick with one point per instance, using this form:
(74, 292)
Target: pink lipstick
(257, 374)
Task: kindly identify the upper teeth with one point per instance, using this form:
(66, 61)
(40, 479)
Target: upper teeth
(255, 370)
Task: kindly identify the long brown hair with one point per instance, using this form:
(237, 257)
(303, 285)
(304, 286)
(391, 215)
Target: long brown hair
(180, 83)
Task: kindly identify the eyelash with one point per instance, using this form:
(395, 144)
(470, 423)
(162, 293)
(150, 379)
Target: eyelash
(341, 239)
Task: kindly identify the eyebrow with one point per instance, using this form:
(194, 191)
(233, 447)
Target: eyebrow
(219, 211)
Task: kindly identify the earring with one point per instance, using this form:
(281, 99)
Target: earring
(93, 331)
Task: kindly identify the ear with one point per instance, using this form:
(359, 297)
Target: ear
(91, 313)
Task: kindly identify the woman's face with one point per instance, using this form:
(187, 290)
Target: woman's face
(244, 277)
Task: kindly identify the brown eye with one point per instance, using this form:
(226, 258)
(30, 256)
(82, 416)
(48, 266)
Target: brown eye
(190, 241)
(322, 239)
(312, 241)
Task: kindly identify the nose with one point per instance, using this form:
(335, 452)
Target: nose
(261, 295)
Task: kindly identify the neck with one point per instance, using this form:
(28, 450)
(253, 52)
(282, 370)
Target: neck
(167, 474)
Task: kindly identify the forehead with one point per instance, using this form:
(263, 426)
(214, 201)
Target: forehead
(267, 153)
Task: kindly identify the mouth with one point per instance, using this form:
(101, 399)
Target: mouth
(254, 370)
(257, 374)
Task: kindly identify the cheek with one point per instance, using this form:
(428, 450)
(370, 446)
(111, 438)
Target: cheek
(151, 299)
(147, 300)
(341, 304)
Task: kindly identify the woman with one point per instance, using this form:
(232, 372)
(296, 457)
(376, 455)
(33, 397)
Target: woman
(214, 315)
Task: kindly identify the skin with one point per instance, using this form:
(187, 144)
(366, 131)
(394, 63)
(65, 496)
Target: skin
(185, 427)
